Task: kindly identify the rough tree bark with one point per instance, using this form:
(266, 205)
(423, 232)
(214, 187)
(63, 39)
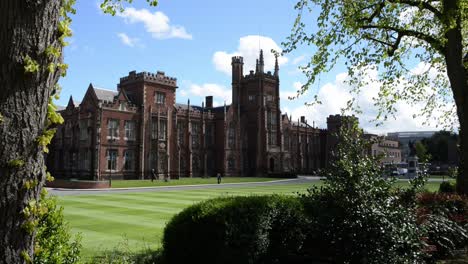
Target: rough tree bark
(458, 76)
(27, 27)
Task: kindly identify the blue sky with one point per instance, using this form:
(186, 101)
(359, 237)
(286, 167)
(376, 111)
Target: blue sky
(193, 41)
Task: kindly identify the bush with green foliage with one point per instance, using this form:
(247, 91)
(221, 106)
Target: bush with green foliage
(452, 172)
(357, 216)
(124, 254)
(445, 219)
(53, 242)
(256, 229)
(447, 187)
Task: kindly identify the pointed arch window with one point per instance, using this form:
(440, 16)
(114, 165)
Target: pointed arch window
(231, 136)
(231, 163)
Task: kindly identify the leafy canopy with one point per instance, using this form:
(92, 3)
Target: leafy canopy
(386, 36)
(112, 6)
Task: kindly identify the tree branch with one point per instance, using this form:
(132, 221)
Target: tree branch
(423, 4)
(375, 13)
(378, 40)
(435, 43)
(395, 45)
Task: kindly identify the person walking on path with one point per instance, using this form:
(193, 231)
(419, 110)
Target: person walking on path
(219, 177)
(153, 175)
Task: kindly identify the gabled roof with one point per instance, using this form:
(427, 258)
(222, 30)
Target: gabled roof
(72, 104)
(131, 97)
(105, 94)
(123, 95)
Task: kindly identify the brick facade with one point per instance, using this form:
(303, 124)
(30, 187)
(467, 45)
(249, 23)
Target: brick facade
(127, 133)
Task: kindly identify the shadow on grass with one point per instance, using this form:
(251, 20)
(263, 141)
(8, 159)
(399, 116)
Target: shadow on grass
(124, 254)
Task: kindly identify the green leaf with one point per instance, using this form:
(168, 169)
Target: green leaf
(30, 65)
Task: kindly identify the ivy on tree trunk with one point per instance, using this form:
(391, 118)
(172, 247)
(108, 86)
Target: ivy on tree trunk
(27, 29)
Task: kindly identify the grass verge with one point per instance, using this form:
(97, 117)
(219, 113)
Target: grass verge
(185, 181)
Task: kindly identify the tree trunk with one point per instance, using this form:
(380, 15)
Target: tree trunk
(27, 27)
(462, 177)
(458, 76)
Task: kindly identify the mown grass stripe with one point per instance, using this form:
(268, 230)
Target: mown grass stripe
(133, 203)
(104, 220)
(97, 241)
(149, 219)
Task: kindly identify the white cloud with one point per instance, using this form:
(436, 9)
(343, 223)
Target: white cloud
(183, 93)
(217, 103)
(298, 60)
(157, 23)
(297, 85)
(126, 40)
(219, 92)
(285, 95)
(248, 48)
(334, 96)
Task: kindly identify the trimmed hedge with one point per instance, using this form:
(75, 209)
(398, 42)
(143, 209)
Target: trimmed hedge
(256, 229)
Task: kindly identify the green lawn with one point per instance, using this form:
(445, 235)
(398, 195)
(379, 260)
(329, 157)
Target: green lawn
(108, 219)
(430, 186)
(185, 181)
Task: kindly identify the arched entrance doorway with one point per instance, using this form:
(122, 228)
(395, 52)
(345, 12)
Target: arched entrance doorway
(272, 164)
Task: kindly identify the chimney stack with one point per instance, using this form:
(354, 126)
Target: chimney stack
(209, 101)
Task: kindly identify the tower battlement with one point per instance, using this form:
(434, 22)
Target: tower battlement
(158, 77)
(237, 59)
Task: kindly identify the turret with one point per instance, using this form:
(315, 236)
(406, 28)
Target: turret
(237, 75)
(237, 69)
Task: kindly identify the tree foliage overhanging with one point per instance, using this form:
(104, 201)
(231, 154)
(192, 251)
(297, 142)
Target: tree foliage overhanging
(410, 50)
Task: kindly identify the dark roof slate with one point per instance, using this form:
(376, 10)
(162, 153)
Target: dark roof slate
(105, 94)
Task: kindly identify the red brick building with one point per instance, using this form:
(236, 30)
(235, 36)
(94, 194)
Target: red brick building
(139, 127)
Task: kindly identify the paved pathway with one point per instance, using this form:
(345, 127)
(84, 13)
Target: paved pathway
(63, 192)
(299, 180)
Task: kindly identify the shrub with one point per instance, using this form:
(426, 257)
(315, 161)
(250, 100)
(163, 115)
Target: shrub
(124, 254)
(454, 206)
(53, 242)
(447, 187)
(445, 218)
(356, 216)
(256, 229)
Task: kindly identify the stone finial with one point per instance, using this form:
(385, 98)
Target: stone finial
(276, 73)
(261, 58)
(261, 63)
